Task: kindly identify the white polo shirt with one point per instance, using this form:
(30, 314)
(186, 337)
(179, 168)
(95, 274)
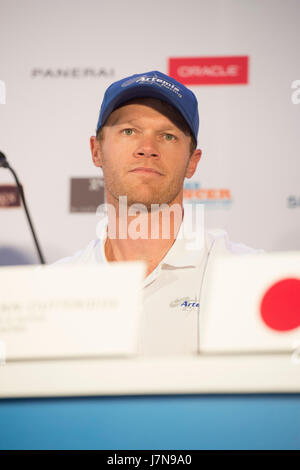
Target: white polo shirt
(171, 292)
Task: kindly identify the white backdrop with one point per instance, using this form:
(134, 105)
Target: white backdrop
(249, 134)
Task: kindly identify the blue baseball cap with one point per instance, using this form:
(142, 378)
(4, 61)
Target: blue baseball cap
(151, 85)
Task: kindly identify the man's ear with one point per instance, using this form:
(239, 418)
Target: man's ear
(96, 151)
(193, 162)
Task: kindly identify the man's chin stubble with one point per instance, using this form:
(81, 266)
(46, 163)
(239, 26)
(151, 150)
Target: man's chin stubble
(147, 200)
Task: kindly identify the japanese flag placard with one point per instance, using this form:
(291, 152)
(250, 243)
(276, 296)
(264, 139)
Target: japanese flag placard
(251, 303)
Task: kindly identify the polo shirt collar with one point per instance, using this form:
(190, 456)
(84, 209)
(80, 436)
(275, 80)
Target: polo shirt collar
(184, 253)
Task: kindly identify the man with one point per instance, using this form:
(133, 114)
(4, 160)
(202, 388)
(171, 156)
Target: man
(146, 144)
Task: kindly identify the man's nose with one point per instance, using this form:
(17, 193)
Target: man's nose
(147, 147)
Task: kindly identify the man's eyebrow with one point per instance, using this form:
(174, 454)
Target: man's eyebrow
(168, 128)
(132, 121)
(118, 122)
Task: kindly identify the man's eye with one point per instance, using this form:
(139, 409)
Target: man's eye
(170, 137)
(127, 131)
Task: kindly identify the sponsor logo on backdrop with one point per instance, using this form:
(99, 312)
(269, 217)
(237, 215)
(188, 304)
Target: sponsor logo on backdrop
(9, 196)
(86, 194)
(211, 197)
(72, 72)
(293, 202)
(230, 70)
(2, 92)
(296, 94)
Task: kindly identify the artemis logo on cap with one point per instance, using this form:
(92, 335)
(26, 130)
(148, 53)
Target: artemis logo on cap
(2, 92)
(156, 80)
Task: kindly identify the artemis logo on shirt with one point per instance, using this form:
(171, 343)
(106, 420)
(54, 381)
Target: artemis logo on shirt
(185, 303)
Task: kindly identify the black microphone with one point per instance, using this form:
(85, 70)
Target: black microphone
(4, 164)
(3, 161)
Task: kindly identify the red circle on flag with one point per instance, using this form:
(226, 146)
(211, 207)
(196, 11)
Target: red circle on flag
(280, 305)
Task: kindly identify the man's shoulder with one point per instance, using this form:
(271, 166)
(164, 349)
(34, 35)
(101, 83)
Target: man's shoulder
(218, 240)
(215, 239)
(87, 255)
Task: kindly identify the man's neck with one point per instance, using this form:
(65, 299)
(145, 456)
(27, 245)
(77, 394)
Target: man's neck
(146, 237)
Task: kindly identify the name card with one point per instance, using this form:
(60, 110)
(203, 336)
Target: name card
(70, 311)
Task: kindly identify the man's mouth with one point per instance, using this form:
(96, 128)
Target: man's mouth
(146, 170)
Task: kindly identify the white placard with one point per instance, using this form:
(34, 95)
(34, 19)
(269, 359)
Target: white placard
(230, 305)
(70, 311)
